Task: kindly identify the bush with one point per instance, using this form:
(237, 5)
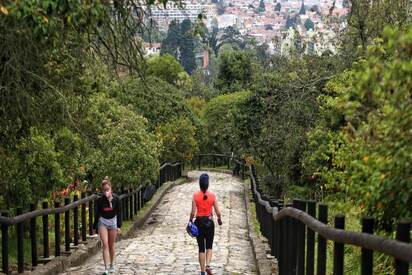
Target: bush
(124, 149)
(165, 67)
(155, 99)
(40, 164)
(221, 116)
(178, 140)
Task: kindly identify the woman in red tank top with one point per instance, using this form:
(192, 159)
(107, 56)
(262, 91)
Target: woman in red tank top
(202, 207)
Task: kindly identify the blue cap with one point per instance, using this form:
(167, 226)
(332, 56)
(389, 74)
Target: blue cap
(204, 182)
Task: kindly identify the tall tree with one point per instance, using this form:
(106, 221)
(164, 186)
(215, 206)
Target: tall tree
(235, 71)
(262, 6)
(367, 19)
(164, 67)
(180, 44)
(187, 46)
(171, 43)
(302, 9)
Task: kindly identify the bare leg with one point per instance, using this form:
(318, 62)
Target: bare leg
(202, 261)
(208, 256)
(112, 241)
(104, 237)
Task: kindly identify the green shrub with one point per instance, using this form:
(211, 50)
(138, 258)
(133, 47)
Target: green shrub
(124, 149)
(221, 116)
(178, 140)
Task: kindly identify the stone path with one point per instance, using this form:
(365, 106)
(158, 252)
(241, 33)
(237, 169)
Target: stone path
(162, 245)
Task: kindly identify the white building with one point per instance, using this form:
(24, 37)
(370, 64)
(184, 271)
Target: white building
(188, 11)
(152, 49)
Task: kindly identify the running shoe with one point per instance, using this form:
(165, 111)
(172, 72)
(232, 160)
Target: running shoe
(112, 269)
(208, 270)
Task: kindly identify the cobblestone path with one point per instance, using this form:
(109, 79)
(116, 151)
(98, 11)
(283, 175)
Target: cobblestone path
(162, 245)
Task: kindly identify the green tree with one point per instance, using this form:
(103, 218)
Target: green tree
(367, 21)
(231, 36)
(180, 44)
(290, 22)
(302, 9)
(165, 67)
(235, 70)
(154, 99)
(184, 82)
(55, 57)
(221, 116)
(171, 43)
(124, 149)
(280, 111)
(178, 139)
(197, 105)
(262, 6)
(187, 46)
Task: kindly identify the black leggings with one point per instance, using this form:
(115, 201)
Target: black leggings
(205, 237)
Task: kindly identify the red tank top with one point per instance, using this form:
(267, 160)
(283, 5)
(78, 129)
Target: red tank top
(204, 207)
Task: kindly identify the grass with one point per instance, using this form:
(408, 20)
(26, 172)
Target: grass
(252, 209)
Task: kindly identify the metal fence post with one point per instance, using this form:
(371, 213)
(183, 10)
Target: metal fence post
(301, 240)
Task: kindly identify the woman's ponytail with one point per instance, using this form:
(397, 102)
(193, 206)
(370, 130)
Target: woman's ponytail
(204, 184)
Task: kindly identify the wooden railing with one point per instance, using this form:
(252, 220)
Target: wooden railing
(233, 163)
(131, 201)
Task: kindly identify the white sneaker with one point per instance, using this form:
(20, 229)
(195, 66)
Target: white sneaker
(112, 269)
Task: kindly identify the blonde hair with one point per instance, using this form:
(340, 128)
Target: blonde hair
(105, 181)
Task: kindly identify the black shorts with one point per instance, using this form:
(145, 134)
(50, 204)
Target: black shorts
(206, 235)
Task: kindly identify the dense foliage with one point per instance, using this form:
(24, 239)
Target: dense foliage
(179, 140)
(164, 67)
(222, 115)
(236, 69)
(364, 147)
(66, 115)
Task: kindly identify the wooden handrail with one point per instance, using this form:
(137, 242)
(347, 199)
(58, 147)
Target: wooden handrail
(169, 164)
(394, 248)
(27, 216)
